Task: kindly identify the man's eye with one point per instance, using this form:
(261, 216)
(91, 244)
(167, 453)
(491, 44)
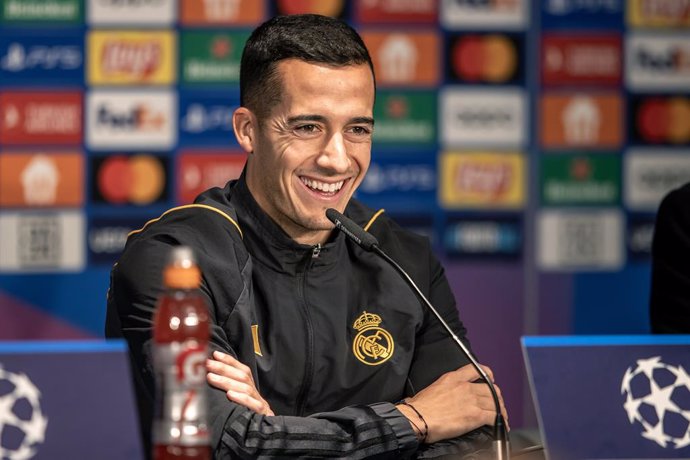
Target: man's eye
(361, 130)
(307, 128)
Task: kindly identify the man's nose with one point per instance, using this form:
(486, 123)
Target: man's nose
(334, 154)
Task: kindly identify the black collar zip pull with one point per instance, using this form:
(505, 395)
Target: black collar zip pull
(315, 251)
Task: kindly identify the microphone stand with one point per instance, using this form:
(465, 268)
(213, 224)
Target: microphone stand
(501, 443)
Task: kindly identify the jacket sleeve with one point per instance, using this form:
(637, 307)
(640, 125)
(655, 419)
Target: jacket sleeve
(435, 352)
(670, 287)
(353, 432)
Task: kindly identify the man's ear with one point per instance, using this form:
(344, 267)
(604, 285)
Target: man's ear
(244, 123)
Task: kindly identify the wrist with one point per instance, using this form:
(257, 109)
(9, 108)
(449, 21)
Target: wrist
(416, 420)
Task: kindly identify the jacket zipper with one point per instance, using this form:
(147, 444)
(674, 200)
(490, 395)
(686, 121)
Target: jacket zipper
(309, 363)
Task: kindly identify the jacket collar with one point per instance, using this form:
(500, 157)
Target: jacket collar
(269, 244)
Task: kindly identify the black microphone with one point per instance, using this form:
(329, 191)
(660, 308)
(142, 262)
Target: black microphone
(370, 244)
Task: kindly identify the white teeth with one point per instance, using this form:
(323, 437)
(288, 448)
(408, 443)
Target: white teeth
(322, 186)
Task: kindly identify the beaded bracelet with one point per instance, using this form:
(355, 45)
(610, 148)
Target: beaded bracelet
(425, 433)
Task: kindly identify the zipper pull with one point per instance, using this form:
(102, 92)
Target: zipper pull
(315, 251)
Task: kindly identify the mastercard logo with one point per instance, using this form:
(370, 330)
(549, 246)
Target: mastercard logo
(664, 120)
(490, 58)
(137, 179)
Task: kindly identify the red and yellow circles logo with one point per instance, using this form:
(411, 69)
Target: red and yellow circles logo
(489, 58)
(137, 179)
(664, 120)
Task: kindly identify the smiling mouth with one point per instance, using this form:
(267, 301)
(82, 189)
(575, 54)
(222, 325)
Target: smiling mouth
(323, 187)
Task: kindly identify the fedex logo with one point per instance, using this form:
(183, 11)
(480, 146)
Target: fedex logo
(134, 119)
(658, 62)
(41, 58)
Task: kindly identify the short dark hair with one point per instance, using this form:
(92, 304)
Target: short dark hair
(309, 37)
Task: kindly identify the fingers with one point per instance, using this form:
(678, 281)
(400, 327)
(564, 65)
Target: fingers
(235, 379)
(468, 373)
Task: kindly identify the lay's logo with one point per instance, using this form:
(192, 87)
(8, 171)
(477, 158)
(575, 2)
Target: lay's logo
(131, 58)
(659, 13)
(482, 179)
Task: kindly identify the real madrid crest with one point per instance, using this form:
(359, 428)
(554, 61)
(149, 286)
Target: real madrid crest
(372, 345)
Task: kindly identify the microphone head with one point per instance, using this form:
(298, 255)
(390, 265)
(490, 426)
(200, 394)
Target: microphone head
(353, 231)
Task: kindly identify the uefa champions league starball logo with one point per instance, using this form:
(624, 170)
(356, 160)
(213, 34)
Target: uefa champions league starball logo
(657, 399)
(22, 423)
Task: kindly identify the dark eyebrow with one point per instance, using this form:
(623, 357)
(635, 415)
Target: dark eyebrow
(322, 119)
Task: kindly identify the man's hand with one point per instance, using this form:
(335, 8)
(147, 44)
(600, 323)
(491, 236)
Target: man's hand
(228, 374)
(453, 405)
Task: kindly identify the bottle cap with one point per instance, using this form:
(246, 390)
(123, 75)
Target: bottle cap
(182, 272)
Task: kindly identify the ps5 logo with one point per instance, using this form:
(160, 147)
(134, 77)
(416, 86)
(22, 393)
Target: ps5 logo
(199, 118)
(18, 58)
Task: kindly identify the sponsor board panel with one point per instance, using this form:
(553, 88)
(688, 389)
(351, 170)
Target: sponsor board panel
(36, 242)
(491, 180)
(485, 58)
(651, 173)
(401, 183)
(221, 12)
(659, 13)
(660, 119)
(107, 236)
(658, 62)
(199, 170)
(211, 57)
(484, 238)
(118, 119)
(207, 118)
(42, 11)
(455, 15)
(582, 14)
(405, 117)
(139, 179)
(582, 120)
(580, 179)
(581, 59)
(41, 57)
(131, 57)
(580, 240)
(41, 179)
(474, 116)
(333, 8)
(640, 236)
(128, 13)
(395, 11)
(41, 117)
(405, 58)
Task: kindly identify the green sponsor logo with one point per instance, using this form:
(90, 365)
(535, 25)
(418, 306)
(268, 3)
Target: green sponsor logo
(41, 11)
(593, 179)
(212, 57)
(405, 117)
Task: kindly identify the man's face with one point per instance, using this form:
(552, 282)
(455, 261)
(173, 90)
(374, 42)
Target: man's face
(313, 149)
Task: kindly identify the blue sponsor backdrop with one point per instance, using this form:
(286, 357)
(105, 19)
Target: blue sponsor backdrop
(490, 256)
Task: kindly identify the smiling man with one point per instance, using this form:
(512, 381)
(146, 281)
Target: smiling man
(320, 348)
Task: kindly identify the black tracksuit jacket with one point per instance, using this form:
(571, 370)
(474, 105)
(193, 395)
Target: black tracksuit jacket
(289, 311)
